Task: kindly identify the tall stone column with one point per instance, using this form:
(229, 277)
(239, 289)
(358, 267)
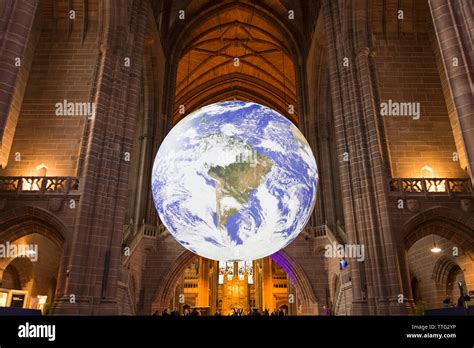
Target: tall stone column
(452, 22)
(363, 161)
(267, 282)
(213, 279)
(17, 20)
(258, 283)
(203, 295)
(95, 254)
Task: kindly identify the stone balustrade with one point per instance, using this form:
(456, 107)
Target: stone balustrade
(39, 184)
(428, 186)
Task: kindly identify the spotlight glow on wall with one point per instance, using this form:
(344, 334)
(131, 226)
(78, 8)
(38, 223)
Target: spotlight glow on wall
(435, 249)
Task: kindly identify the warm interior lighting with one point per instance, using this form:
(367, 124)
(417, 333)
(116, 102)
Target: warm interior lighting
(435, 249)
(31, 185)
(427, 168)
(41, 169)
(432, 185)
(436, 185)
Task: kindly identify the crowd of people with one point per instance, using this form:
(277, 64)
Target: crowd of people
(235, 312)
(187, 312)
(238, 312)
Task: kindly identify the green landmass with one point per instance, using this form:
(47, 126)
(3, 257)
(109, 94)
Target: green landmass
(227, 214)
(238, 180)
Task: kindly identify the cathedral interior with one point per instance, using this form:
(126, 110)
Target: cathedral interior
(382, 91)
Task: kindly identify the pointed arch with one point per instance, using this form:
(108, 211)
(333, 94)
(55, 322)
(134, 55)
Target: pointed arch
(451, 224)
(18, 222)
(296, 274)
(300, 281)
(207, 45)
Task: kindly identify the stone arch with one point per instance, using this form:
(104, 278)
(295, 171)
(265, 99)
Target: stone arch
(442, 269)
(18, 222)
(445, 222)
(305, 293)
(23, 221)
(22, 267)
(274, 94)
(295, 272)
(168, 283)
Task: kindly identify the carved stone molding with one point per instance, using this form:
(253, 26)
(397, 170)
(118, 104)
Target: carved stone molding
(413, 205)
(466, 205)
(55, 204)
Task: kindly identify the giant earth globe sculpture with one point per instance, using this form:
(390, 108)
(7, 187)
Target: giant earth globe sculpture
(234, 181)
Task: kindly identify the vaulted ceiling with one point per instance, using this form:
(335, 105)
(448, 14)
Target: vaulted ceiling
(238, 50)
(205, 44)
(236, 54)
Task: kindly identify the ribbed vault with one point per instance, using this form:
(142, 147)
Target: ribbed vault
(236, 50)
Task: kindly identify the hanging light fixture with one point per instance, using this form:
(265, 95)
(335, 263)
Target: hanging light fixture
(41, 169)
(435, 249)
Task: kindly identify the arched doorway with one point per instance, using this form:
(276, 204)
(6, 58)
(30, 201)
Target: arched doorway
(270, 283)
(33, 243)
(439, 247)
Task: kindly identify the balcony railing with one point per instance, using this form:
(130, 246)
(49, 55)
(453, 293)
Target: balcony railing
(133, 236)
(39, 184)
(431, 185)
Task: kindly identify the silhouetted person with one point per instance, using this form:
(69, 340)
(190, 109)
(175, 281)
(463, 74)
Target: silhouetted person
(446, 302)
(255, 313)
(327, 311)
(274, 313)
(194, 313)
(281, 313)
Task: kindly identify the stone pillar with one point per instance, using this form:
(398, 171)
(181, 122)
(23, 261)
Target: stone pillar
(203, 283)
(267, 282)
(258, 283)
(328, 170)
(213, 279)
(95, 255)
(142, 184)
(17, 21)
(452, 22)
(376, 282)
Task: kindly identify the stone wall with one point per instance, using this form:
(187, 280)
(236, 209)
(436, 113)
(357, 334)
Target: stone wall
(407, 72)
(63, 69)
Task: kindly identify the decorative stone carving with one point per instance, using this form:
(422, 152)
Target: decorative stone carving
(413, 205)
(466, 205)
(55, 204)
